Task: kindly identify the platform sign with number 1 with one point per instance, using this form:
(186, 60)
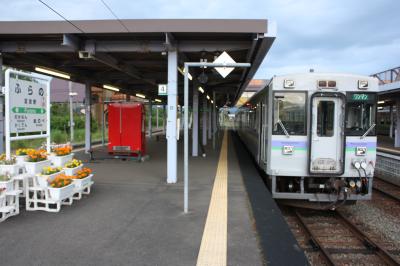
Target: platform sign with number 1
(27, 107)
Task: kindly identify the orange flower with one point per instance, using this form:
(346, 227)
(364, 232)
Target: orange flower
(84, 172)
(36, 156)
(61, 180)
(61, 151)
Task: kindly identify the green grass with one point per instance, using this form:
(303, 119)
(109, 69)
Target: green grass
(60, 132)
(58, 136)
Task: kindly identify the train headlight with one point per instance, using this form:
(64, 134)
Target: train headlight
(287, 150)
(352, 184)
(358, 183)
(363, 165)
(357, 165)
(361, 151)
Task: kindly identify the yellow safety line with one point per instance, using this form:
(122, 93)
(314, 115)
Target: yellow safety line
(213, 248)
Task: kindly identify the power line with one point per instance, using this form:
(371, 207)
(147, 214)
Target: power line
(52, 9)
(75, 26)
(112, 12)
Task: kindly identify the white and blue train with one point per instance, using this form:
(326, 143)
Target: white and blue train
(314, 136)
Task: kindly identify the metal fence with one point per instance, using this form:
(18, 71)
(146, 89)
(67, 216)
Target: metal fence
(388, 167)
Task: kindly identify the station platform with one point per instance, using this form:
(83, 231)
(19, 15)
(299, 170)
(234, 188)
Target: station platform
(133, 217)
(386, 144)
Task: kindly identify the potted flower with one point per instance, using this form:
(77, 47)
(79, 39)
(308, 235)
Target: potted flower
(82, 178)
(2, 190)
(22, 155)
(37, 159)
(61, 187)
(72, 166)
(48, 174)
(6, 182)
(8, 166)
(61, 155)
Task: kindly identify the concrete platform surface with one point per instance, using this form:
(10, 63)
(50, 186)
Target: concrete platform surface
(133, 217)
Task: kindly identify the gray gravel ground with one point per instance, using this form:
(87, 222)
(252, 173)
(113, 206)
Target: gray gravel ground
(379, 221)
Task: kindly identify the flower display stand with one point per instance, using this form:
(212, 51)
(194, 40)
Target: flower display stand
(60, 161)
(48, 199)
(8, 185)
(12, 169)
(9, 202)
(43, 180)
(36, 167)
(21, 182)
(82, 186)
(60, 194)
(72, 171)
(21, 159)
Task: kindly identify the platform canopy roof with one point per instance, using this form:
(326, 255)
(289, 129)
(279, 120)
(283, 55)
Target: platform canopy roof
(132, 54)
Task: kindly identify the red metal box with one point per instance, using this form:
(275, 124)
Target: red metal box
(126, 129)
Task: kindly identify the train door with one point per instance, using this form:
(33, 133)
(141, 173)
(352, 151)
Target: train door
(263, 133)
(326, 140)
(259, 130)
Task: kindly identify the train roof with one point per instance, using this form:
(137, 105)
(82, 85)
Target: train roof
(325, 74)
(315, 75)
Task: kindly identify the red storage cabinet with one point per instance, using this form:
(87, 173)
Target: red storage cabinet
(126, 129)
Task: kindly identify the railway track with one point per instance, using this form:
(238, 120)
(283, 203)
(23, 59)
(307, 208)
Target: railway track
(339, 240)
(386, 197)
(388, 189)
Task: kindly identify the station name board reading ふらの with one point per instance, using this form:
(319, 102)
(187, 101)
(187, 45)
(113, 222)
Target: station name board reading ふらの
(27, 106)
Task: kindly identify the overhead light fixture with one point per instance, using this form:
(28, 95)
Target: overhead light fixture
(212, 101)
(380, 108)
(158, 100)
(140, 95)
(208, 97)
(182, 71)
(73, 94)
(52, 72)
(201, 90)
(381, 102)
(111, 88)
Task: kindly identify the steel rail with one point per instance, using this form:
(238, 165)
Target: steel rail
(378, 249)
(313, 238)
(386, 193)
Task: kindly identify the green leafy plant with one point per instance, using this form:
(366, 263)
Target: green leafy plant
(5, 177)
(4, 161)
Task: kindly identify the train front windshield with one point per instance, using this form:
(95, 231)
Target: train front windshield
(360, 113)
(289, 113)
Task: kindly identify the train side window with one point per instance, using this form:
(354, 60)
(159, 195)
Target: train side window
(325, 118)
(359, 118)
(290, 109)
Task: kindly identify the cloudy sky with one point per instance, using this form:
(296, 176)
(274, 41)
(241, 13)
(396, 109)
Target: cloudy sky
(357, 36)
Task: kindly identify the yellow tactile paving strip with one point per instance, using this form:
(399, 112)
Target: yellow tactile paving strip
(213, 248)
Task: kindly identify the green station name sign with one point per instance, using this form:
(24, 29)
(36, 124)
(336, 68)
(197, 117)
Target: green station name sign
(28, 110)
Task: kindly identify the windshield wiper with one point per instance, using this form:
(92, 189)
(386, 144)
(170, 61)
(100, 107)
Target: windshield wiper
(283, 128)
(369, 130)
